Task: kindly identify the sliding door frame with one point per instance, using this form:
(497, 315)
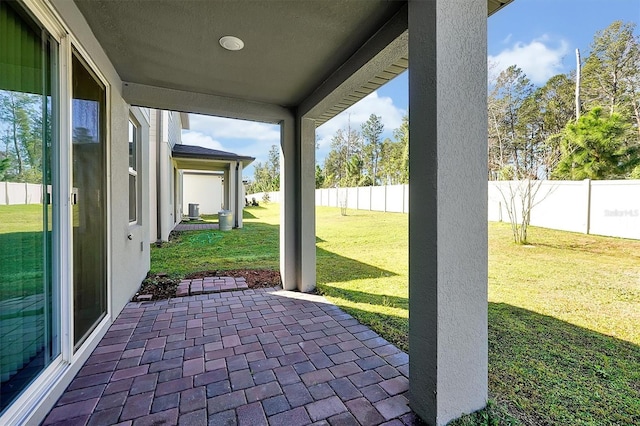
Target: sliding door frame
(47, 387)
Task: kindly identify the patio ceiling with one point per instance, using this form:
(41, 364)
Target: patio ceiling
(291, 47)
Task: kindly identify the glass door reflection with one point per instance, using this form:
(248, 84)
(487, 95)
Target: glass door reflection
(29, 300)
(88, 200)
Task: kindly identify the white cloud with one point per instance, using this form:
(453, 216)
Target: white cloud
(358, 114)
(190, 137)
(227, 128)
(255, 139)
(539, 59)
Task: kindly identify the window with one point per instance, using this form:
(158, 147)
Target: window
(133, 171)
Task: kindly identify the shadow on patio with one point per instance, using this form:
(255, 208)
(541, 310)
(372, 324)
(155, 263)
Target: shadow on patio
(256, 357)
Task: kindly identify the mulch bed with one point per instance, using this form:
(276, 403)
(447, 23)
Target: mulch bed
(161, 286)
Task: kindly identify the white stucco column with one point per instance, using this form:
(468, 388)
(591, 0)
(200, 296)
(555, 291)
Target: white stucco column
(289, 176)
(225, 192)
(447, 208)
(297, 205)
(307, 141)
(233, 190)
(239, 195)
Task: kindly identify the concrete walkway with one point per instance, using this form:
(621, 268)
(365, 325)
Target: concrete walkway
(251, 357)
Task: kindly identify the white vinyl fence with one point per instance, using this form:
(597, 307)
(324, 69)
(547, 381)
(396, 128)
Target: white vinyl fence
(601, 207)
(390, 198)
(20, 193)
(605, 207)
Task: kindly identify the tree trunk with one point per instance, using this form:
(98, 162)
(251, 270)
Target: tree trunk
(578, 84)
(15, 134)
(636, 113)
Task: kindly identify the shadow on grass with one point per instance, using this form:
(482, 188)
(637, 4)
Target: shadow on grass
(364, 297)
(247, 214)
(544, 370)
(332, 267)
(554, 372)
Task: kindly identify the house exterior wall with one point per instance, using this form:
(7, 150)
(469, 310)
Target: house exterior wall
(168, 133)
(174, 127)
(204, 189)
(152, 165)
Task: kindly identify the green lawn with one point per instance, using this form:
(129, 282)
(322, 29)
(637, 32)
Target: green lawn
(564, 312)
(21, 255)
(255, 246)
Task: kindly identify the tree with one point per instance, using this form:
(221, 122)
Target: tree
(595, 148)
(509, 137)
(556, 105)
(610, 66)
(354, 171)
(402, 135)
(267, 176)
(520, 197)
(319, 177)
(371, 132)
(345, 144)
(390, 164)
(5, 163)
(517, 145)
(273, 166)
(21, 131)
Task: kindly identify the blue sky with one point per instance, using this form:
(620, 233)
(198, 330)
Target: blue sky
(540, 36)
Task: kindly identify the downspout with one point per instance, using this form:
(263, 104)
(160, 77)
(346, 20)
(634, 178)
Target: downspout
(238, 183)
(158, 191)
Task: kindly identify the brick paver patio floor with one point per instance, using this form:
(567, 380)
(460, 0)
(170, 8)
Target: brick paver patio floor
(251, 357)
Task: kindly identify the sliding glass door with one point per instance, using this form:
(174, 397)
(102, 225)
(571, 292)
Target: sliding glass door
(88, 200)
(29, 300)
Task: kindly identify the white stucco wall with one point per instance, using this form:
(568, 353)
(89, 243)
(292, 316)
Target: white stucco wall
(203, 189)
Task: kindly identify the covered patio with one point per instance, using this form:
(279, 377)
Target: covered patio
(252, 357)
(302, 64)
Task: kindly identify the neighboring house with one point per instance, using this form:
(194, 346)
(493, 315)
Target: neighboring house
(227, 164)
(100, 71)
(206, 189)
(169, 162)
(164, 196)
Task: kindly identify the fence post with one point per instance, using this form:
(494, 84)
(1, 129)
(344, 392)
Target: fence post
(587, 183)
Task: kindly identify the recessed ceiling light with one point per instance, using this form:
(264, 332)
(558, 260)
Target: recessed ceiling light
(231, 43)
